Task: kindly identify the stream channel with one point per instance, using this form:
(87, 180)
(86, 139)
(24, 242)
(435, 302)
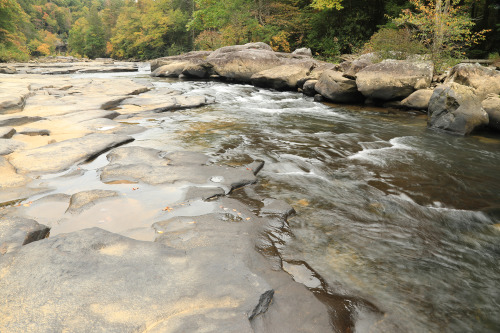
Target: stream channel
(387, 210)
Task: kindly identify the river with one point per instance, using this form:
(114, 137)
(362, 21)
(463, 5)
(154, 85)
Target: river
(387, 210)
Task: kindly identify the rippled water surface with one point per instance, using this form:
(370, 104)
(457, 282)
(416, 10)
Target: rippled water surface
(387, 210)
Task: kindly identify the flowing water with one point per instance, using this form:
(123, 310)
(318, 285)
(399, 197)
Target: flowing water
(388, 210)
(403, 217)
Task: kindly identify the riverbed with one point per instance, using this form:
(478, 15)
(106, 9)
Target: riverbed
(388, 211)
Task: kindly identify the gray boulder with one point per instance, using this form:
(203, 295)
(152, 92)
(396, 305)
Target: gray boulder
(309, 87)
(483, 79)
(394, 79)
(337, 88)
(283, 77)
(240, 62)
(456, 109)
(419, 100)
(191, 57)
(351, 68)
(171, 70)
(16, 232)
(193, 70)
(492, 107)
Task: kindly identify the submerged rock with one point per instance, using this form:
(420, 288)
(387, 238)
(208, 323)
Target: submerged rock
(456, 109)
(82, 200)
(127, 164)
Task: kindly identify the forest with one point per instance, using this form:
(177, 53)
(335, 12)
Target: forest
(146, 29)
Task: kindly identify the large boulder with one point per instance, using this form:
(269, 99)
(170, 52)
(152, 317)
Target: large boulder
(337, 88)
(191, 57)
(240, 62)
(309, 87)
(351, 68)
(283, 77)
(171, 70)
(419, 100)
(456, 109)
(483, 79)
(394, 79)
(492, 107)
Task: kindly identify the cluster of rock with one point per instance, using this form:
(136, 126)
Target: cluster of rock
(69, 65)
(460, 102)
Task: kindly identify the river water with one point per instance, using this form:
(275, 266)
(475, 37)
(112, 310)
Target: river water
(388, 210)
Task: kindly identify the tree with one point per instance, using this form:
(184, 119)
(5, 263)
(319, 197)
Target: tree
(327, 4)
(12, 40)
(443, 26)
(95, 38)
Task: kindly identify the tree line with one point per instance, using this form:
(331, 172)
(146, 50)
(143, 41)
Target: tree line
(146, 29)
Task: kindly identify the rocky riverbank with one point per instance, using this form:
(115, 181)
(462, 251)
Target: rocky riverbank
(465, 100)
(100, 232)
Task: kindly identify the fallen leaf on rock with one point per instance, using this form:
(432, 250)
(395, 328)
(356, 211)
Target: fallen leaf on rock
(134, 188)
(167, 209)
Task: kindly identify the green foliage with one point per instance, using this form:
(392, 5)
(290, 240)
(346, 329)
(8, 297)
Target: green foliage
(12, 41)
(95, 40)
(327, 4)
(394, 44)
(145, 29)
(150, 29)
(445, 28)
